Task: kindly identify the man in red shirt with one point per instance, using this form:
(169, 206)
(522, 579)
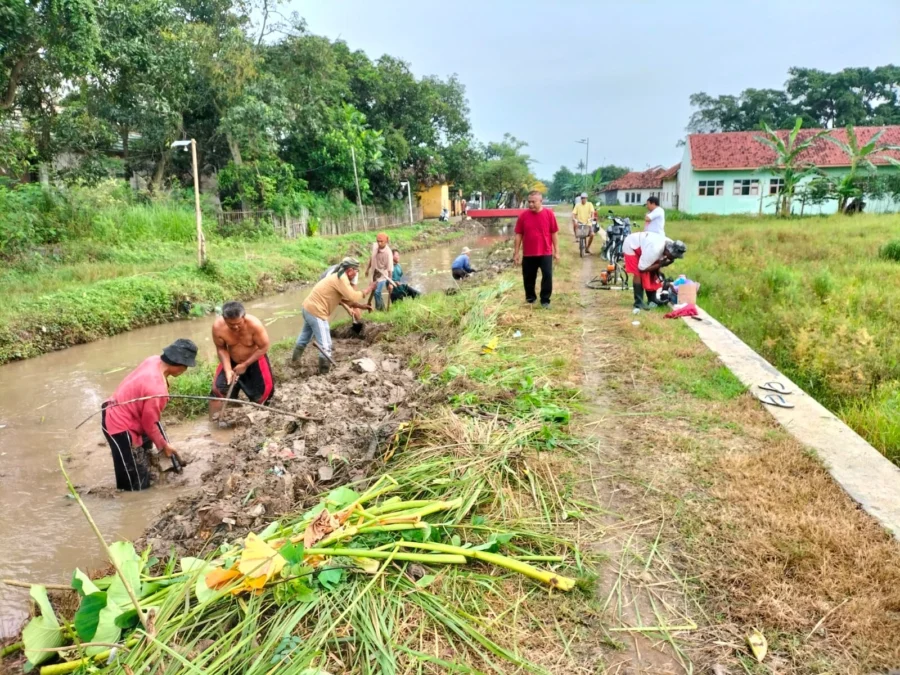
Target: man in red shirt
(131, 426)
(537, 246)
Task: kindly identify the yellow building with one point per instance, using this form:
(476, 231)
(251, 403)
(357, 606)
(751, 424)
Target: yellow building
(433, 200)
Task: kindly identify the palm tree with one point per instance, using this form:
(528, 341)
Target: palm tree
(787, 162)
(861, 157)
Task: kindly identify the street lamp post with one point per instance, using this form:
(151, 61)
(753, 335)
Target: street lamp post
(406, 184)
(587, 151)
(201, 240)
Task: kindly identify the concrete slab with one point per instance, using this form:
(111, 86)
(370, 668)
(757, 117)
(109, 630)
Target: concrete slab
(865, 474)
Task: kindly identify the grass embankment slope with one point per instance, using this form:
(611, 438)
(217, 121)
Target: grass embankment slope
(143, 270)
(814, 297)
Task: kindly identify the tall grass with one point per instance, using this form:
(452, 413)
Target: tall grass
(816, 297)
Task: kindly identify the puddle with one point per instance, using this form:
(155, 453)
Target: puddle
(44, 533)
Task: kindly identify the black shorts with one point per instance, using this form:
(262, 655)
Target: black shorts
(459, 274)
(256, 382)
(131, 464)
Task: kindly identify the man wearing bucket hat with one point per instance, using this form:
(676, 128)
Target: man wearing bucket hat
(584, 214)
(334, 290)
(462, 266)
(132, 427)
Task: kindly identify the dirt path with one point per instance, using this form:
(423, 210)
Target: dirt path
(719, 522)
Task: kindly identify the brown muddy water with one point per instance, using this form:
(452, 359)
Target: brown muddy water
(43, 532)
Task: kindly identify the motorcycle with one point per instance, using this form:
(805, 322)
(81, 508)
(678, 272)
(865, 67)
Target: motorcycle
(615, 237)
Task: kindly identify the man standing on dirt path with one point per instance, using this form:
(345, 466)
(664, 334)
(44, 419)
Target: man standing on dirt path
(335, 289)
(380, 267)
(132, 427)
(584, 214)
(645, 254)
(537, 246)
(242, 344)
(655, 220)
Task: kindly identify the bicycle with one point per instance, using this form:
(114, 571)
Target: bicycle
(583, 233)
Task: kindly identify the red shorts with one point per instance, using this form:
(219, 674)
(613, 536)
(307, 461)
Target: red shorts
(256, 382)
(649, 280)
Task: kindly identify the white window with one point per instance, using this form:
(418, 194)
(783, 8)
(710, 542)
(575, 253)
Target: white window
(776, 186)
(745, 186)
(712, 188)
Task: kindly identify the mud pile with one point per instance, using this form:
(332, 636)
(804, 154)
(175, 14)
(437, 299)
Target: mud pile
(275, 464)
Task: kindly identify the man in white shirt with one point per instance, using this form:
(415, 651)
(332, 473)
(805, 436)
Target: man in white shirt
(645, 254)
(655, 220)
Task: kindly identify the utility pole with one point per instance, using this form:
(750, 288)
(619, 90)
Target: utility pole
(358, 196)
(587, 152)
(201, 240)
(408, 198)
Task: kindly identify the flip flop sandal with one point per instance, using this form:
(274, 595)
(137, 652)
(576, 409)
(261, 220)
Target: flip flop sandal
(776, 400)
(777, 387)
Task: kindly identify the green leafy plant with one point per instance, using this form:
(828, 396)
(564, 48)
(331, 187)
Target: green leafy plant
(788, 163)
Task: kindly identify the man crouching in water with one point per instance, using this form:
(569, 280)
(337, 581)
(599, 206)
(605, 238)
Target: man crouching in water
(131, 416)
(242, 343)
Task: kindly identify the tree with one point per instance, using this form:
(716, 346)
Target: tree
(859, 96)
(506, 169)
(740, 113)
(861, 157)
(787, 162)
(40, 37)
(559, 183)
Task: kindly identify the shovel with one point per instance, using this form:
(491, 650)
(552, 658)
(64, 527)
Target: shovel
(322, 352)
(356, 326)
(222, 423)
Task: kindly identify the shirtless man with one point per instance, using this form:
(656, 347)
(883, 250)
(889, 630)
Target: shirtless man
(242, 344)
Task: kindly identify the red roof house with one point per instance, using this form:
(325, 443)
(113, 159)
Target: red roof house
(727, 172)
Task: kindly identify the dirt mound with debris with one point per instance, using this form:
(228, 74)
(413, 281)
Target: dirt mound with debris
(275, 464)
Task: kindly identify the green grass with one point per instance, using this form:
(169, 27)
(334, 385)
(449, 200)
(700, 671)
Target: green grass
(815, 297)
(90, 288)
(193, 382)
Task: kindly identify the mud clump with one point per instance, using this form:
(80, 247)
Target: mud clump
(276, 464)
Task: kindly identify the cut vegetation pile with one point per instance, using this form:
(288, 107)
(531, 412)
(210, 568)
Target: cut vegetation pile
(442, 565)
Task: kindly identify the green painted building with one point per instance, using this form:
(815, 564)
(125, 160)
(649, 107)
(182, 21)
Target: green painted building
(721, 173)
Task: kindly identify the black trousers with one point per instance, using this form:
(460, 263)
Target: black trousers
(530, 267)
(130, 464)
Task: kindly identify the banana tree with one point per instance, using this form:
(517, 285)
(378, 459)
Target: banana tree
(861, 157)
(590, 183)
(788, 165)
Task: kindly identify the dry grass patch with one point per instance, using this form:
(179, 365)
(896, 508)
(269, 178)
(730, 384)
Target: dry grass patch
(771, 541)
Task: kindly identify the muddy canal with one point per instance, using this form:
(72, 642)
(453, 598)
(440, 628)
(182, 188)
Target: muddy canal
(44, 535)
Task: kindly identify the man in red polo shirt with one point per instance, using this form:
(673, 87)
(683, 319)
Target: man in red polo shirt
(537, 246)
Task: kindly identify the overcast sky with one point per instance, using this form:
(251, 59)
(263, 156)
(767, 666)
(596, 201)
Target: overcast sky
(617, 71)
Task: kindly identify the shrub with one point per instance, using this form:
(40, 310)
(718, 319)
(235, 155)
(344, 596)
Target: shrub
(890, 251)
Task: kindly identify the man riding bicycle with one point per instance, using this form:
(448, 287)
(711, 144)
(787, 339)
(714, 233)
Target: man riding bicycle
(583, 216)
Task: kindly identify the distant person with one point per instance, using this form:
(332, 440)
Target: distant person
(537, 246)
(655, 220)
(645, 254)
(400, 290)
(131, 429)
(462, 266)
(242, 344)
(463, 208)
(584, 214)
(325, 297)
(381, 264)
